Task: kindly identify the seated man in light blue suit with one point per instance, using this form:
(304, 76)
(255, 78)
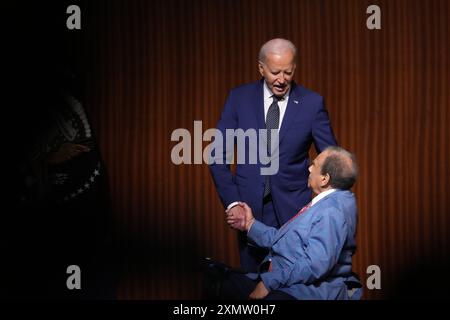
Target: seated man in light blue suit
(311, 254)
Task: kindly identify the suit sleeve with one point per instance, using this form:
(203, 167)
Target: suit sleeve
(261, 235)
(326, 240)
(219, 168)
(321, 129)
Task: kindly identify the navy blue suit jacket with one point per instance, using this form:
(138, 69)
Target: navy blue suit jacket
(305, 122)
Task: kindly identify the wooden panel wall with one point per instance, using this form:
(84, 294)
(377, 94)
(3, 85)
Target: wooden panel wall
(155, 66)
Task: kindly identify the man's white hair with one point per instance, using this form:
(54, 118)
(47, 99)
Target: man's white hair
(276, 46)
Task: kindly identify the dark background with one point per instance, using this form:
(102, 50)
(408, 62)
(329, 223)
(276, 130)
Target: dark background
(146, 68)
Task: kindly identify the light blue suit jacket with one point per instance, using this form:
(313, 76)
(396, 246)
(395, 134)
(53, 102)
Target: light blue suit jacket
(312, 255)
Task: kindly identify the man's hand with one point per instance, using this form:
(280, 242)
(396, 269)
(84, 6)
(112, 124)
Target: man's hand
(241, 218)
(236, 217)
(249, 218)
(260, 291)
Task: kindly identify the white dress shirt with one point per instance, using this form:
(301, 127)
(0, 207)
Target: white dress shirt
(321, 195)
(268, 99)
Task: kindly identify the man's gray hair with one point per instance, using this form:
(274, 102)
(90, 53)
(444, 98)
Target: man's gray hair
(276, 46)
(341, 166)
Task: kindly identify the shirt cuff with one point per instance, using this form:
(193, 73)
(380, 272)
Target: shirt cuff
(233, 204)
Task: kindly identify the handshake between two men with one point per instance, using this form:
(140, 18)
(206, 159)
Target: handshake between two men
(240, 217)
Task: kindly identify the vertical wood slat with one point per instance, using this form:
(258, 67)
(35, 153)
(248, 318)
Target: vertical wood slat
(158, 66)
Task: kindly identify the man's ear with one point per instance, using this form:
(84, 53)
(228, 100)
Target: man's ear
(325, 180)
(261, 68)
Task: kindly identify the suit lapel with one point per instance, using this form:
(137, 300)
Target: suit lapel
(281, 232)
(310, 211)
(287, 227)
(292, 108)
(259, 98)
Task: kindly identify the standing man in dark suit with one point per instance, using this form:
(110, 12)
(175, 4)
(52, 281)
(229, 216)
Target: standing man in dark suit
(299, 116)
